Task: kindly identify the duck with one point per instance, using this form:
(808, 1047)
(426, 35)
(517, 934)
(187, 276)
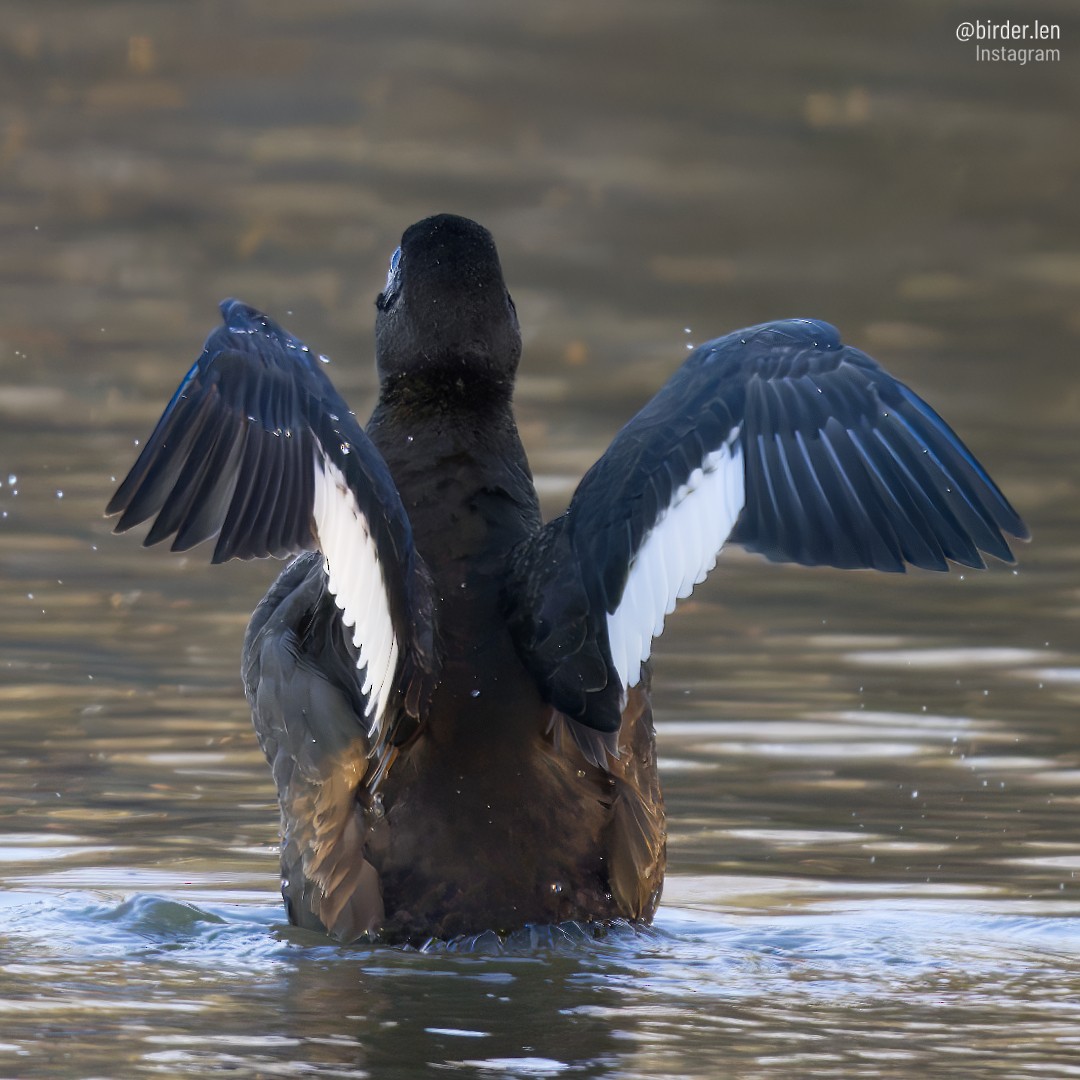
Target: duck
(452, 694)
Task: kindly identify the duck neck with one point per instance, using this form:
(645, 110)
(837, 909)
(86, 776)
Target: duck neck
(444, 390)
(462, 473)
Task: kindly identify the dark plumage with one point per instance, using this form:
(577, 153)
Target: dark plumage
(450, 693)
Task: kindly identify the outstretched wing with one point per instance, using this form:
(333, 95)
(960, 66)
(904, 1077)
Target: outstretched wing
(257, 449)
(780, 438)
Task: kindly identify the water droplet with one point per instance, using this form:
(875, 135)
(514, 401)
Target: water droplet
(474, 693)
(12, 478)
(581, 774)
(556, 887)
(59, 493)
(345, 448)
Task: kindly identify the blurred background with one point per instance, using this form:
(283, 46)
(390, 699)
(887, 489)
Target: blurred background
(893, 761)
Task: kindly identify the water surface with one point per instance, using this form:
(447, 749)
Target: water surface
(873, 782)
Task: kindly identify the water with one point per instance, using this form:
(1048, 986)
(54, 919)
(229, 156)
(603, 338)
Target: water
(872, 782)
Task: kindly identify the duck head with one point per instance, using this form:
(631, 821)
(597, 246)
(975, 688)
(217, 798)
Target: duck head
(445, 317)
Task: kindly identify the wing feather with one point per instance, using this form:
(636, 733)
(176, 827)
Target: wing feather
(257, 449)
(779, 438)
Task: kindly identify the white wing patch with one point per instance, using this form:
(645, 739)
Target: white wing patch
(676, 554)
(356, 581)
